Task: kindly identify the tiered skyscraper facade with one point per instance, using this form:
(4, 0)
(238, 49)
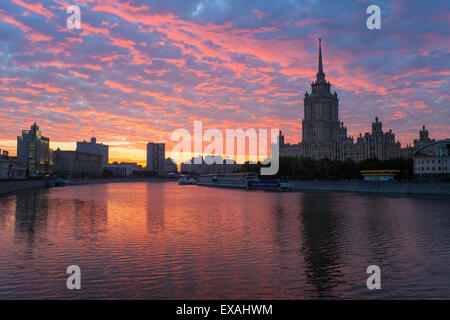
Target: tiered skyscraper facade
(325, 136)
(321, 113)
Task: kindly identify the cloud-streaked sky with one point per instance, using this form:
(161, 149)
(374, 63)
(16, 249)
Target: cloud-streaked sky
(137, 70)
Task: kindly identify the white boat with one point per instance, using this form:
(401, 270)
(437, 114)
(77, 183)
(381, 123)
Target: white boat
(183, 181)
(229, 180)
(192, 180)
(274, 185)
(285, 186)
(245, 180)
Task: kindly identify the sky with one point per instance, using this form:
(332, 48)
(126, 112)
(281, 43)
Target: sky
(138, 70)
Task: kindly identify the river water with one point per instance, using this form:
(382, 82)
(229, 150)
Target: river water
(164, 241)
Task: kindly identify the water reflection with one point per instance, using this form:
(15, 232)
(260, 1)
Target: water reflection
(90, 217)
(155, 202)
(161, 240)
(31, 215)
(321, 228)
(7, 210)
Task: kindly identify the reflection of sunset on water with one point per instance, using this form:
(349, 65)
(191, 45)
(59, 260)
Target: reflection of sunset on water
(161, 240)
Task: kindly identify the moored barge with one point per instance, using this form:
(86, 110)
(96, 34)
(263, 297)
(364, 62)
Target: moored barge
(243, 180)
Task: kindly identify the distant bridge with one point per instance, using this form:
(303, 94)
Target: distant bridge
(445, 141)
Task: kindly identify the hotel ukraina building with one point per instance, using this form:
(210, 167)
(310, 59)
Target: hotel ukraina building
(325, 136)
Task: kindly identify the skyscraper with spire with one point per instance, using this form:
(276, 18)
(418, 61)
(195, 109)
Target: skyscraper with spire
(325, 136)
(321, 123)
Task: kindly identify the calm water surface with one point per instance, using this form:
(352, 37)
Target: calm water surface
(164, 241)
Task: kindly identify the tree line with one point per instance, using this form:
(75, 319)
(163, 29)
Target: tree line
(326, 169)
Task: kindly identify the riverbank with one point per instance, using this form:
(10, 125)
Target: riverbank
(364, 187)
(75, 182)
(374, 187)
(18, 185)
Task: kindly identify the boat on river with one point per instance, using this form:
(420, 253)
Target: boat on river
(50, 182)
(61, 182)
(185, 180)
(243, 180)
(273, 185)
(229, 180)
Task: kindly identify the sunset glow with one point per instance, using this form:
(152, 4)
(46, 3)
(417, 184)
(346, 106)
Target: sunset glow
(138, 70)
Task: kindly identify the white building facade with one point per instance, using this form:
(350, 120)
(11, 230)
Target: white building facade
(94, 148)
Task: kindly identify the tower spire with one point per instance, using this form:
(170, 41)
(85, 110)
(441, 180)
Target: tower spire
(320, 74)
